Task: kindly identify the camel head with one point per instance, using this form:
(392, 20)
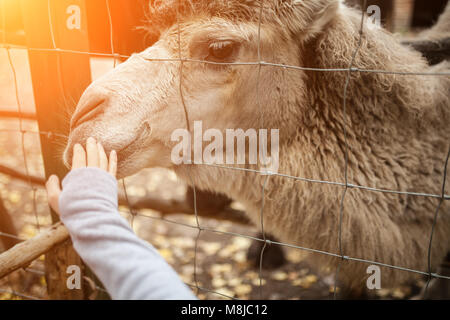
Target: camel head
(135, 108)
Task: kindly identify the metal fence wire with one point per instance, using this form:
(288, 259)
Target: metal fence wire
(346, 185)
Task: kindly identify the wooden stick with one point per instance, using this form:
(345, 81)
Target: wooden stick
(57, 79)
(169, 207)
(26, 252)
(21, 176)
(17, 115)
(152, 202)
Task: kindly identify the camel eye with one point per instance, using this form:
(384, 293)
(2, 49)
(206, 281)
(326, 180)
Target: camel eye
(222, 51)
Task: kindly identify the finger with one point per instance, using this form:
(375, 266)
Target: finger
(79, 157)
(102, 158)
(92, 153)
(113, 163)
(53, 192)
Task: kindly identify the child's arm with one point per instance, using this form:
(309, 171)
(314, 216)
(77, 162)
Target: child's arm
(129, 267)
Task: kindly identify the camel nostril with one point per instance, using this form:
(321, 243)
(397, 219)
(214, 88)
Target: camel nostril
(89, 110)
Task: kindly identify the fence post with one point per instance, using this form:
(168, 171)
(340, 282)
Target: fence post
(7, 226)
(59, 78)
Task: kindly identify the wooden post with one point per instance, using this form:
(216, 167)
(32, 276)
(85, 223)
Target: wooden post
(7, 226)
(58, 79)
(126, 16)
(402, 15)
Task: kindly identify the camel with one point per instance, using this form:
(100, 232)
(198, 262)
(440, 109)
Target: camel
(394, 129)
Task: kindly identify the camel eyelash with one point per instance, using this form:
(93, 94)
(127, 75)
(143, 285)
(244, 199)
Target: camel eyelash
(224, 51)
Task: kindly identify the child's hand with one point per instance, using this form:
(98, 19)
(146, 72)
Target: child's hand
(94, 156)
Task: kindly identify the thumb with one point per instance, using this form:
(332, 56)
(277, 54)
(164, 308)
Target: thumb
(53, 192)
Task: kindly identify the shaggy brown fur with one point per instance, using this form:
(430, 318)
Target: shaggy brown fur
(398, 126)
(287, 15)
(398, 136)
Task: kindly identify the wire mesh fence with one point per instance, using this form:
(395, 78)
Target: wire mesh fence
(346, 185)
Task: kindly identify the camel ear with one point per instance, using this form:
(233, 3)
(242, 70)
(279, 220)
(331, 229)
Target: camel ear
(323, 17)
(310, 17)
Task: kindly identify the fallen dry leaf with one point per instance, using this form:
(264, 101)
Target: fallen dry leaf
(14, 197)
(279, 276)
(167, 255)
(305, 282)
(218, 282)
(257, 282)
(234, 282)
(221, 268)
(210, 248)
(225, 291)
(243, 289)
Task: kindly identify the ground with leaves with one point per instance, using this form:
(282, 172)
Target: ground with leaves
(214, 263)
(218, 266)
